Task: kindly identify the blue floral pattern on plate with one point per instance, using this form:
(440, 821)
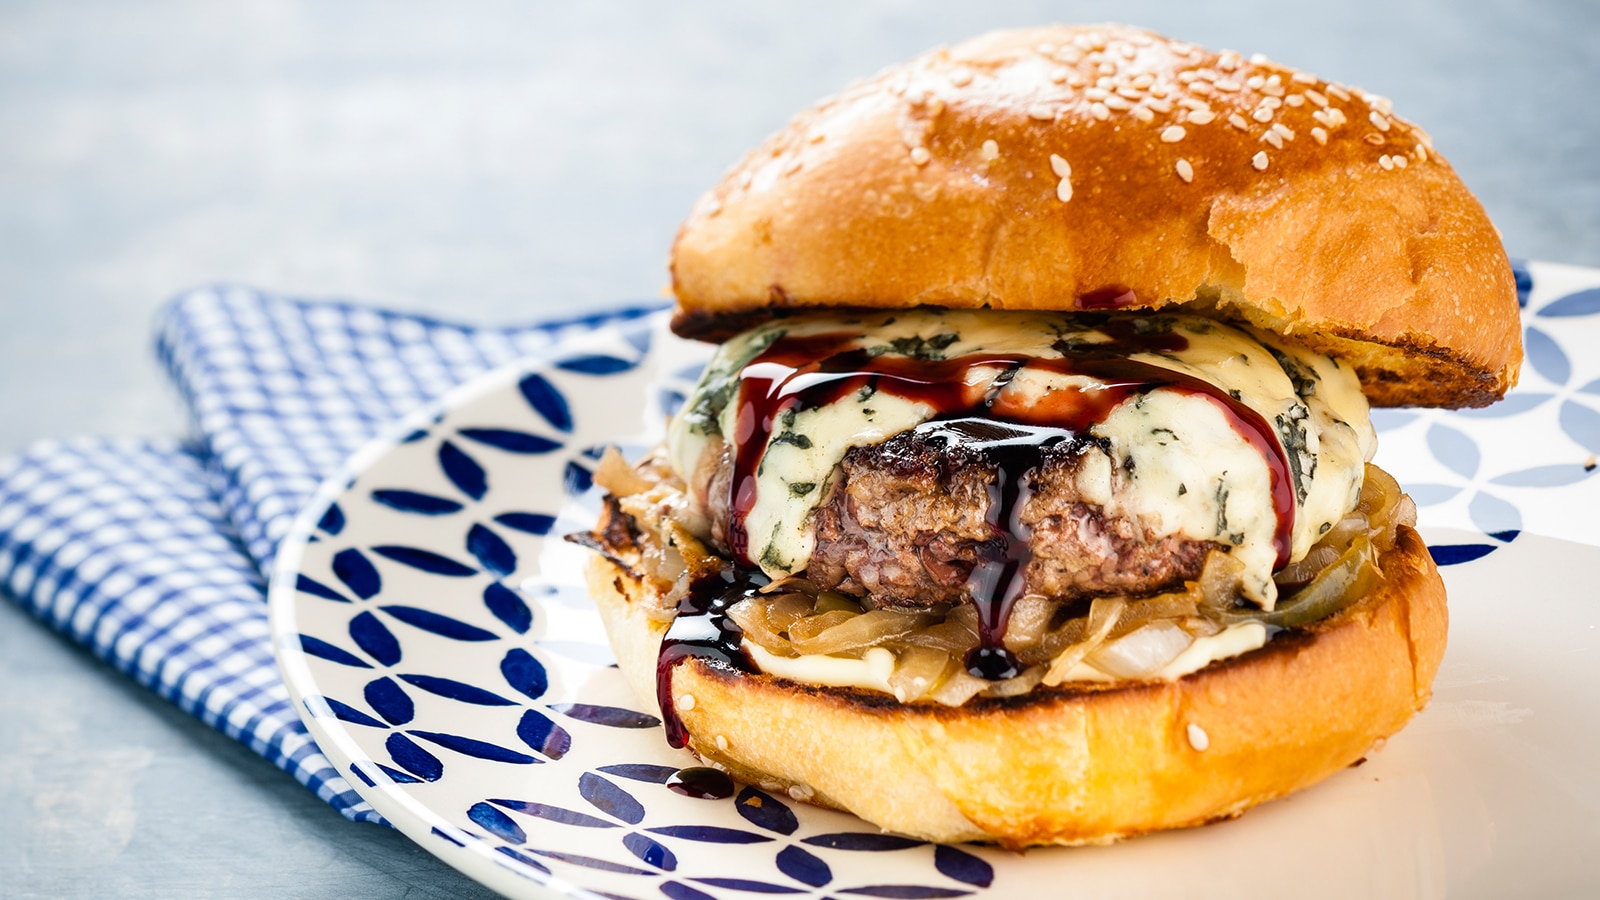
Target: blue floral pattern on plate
(436, 631)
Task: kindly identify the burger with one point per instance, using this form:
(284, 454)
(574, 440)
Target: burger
(1027, 498)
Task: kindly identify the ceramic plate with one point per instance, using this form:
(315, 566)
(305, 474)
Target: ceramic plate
(432, 626)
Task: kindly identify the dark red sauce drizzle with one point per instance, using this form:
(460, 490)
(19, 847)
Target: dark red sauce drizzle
(703, 630)
(1114, 297)
(701, 783)
(800, 373)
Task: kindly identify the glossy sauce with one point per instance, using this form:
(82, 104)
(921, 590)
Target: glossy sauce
(1114, 297)
(701, 783)
(703, 630)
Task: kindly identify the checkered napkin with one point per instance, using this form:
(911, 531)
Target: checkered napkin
(150, 552)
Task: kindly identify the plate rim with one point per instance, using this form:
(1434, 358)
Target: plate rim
(417, 821)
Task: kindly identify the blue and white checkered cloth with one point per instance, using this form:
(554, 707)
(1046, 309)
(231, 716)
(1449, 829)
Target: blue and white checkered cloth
(150, 552)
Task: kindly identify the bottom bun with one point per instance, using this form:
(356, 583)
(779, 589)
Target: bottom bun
(1076, 764)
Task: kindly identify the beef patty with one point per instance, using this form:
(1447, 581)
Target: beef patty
(906, 521)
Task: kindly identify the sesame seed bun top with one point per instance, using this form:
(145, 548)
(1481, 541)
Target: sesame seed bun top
(1092, 167)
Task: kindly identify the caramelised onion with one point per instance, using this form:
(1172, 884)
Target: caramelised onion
(1103, 615)
(1143, 651)
(853, 632)
(1335, 588)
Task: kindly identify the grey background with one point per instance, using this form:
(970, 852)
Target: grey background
(494, 162)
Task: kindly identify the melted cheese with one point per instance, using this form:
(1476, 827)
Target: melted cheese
(1174, 460)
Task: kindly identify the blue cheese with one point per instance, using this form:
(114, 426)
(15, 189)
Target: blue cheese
(1174, 460)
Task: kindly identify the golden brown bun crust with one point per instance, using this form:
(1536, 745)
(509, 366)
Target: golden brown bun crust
(1357, 237)
(1070, 766)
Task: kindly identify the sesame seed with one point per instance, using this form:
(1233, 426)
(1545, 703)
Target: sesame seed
(1273, 138)
(1046, 49)
(1238, 122)
(1202, 116)
(1106, 68)
(1254, 82)
(1285, 131)
(1144, 114)
(1295, 100)
(1202, 88)
(1422, 153)
(1258, 58)
(1192, 103)
(794, 165)
(1317, 98)
(722, 742)
(1323, 117)
(685, 702)
(1160, 105)
(1158, 90)
(961, 77)
(1399, 161)
(1076, 80)
(1262, 114)
(1096, 93)
(1270, 102)
(1386, 162)
(1198, 739)
(1041, 113)
(1228, 85)
(1320, 135)
(935, 107)
(1206, 75)
(1143, 81)
(1129, 93)
(1378, 121)
(713, 206)
(1185, 171)
(746, 179)
(1259, 160)
(1373, 138)
(1058, 76)
(1172, 134)
(1064, 190)
(1228, 61)
(990, 150)
(1382, 104)
(920, 156)
(801, 792)
(1105, 83)
(1303, 78)
(1274, 79)
(1338, 92)
(1061, 167)
(1117, 103)
(1186, 77)
(1099, 111)
(1127, 51)
(1069, 55)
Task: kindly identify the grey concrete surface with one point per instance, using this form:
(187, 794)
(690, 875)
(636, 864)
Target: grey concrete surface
(497, 161)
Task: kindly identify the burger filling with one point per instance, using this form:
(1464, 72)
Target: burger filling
(938, 504)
